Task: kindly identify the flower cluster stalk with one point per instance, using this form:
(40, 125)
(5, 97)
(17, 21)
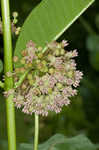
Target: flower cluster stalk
(36, 135)
(8, 67)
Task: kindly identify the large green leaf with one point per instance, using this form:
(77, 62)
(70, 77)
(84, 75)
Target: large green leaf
(60, 142)
(46, 145)
(80, 142)
(49, 20)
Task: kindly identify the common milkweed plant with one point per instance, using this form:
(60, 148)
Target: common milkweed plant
(41, 76)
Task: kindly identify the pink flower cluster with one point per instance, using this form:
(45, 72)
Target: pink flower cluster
(51, 81)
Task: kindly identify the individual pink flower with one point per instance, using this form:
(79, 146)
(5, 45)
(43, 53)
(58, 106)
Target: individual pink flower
(64, 43)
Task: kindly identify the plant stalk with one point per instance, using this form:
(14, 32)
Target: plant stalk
(8, 67)
(17, 84)
(36, 135)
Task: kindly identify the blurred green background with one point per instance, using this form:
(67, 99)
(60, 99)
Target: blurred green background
(82, 116)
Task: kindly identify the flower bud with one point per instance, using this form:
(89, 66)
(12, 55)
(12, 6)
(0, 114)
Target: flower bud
(51, 70)
(59, 85)
(24, 86)
(22, 70)
(29, 76)
(24, 53)
(39, 66)
(31, 82)
(45, 69)
(62, 51)
(15, 59)
(15, 14)
(57, 52)
(59, 45)
(40, 55)
(37, 61)
(44, 62)
(47, 98)
(49, 90)
(22, 61)
(70, 74)
(68, 55)
(39, 48)
(18, 30)
(29, 65)
(17, 70)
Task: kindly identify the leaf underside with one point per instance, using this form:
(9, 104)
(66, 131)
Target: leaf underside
(49, 20)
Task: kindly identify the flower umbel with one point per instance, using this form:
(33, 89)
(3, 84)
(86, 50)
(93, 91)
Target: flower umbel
(51, 81)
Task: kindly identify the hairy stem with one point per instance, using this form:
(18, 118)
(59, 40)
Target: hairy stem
(36, 132)
(8, 67)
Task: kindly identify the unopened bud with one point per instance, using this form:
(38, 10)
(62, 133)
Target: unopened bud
(51, 70)
(40, 55)
(29, 76)
(18, 30)
(59, 46)
(62, 51)
(39, 48)
(49, 90)
(15, 59)
(44, 62)
(29, 65)
(70, 74)
(59, 85)
(22, 70)
(45, 69)
(24, 53)
(22, 61)
(24, 86)
(15, 14)
(31, 82)
(37, 61)
(57, 53)
(17, 70)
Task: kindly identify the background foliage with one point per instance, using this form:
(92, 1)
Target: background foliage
(83, 115)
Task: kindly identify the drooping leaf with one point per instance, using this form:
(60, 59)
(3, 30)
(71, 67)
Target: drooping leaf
(80, 142)
(49, 20)
(46, 145)
(52, 141)
(60, 142)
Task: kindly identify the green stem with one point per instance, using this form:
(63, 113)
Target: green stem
(17, 84)
(87, 26)
(8, 67)
(36, 132)
(1, 84)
